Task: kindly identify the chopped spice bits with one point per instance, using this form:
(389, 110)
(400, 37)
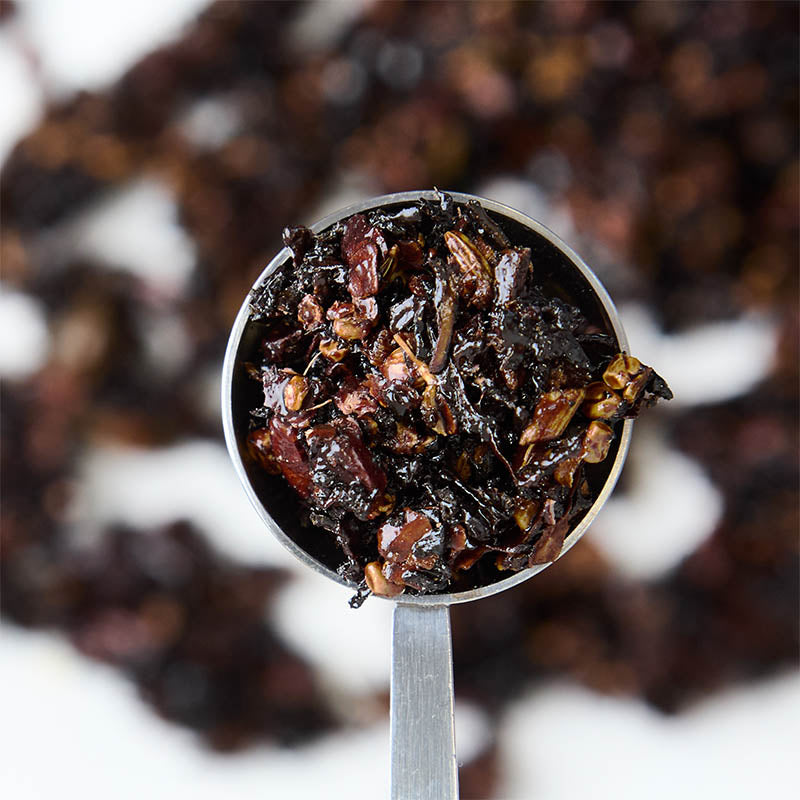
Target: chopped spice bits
(445, 429)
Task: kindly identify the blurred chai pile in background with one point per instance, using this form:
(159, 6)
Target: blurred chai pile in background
(155, 638)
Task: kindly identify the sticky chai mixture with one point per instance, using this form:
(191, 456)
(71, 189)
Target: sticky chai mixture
(432, 409)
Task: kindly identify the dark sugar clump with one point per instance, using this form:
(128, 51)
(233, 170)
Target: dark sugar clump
(432, 406)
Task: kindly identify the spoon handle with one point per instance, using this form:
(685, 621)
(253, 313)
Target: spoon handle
(422, 730)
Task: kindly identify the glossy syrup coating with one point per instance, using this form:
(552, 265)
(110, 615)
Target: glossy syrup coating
(431, 406)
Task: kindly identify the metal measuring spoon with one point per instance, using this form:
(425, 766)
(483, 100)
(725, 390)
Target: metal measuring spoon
(423, 755)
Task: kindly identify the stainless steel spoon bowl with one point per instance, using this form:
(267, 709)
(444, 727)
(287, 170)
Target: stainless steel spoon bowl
(422, 722)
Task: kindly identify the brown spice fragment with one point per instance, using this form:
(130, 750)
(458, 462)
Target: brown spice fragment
(356, 401)
(552, 414)
(564, 473)
(596, 442)
(620, 370)
(628, 374)
(378, 346)
(396, 366)
(396, 542)
(309, 312)
(462, 467)
(422, 369)
(341, 447)
(634, 388)
(290, 456)
(382, 505)
(408, 441)
(378, 584)
(367, 307)
(259, 446)
(550, 543)
(466, 254)
(525, 512)
(355, 231)
(476, 284)
(295, 392)
(437, 413)
(364, 271)
(510, 273)
(332, 349)
(348, 321)
(469, 557)
(409, 255)
(363, 248)
(601, 402)
(485, 249)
